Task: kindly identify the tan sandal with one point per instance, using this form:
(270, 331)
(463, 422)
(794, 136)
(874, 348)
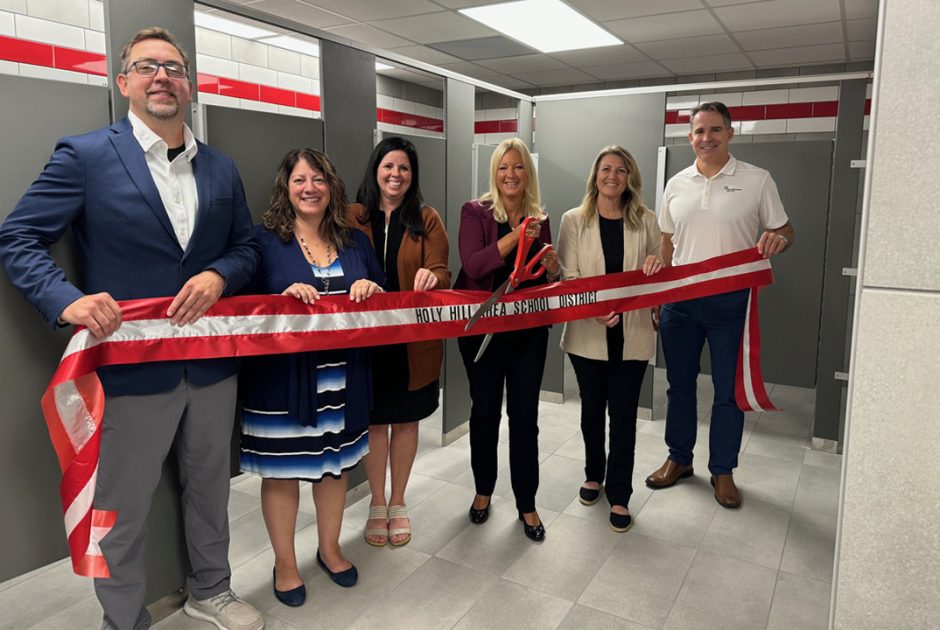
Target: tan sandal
(377, 512)
(398, 511)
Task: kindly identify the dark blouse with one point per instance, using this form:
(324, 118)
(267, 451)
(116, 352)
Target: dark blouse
(612, 244)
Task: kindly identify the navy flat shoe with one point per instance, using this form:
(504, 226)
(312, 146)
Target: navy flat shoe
(294, 597)
(346, 578)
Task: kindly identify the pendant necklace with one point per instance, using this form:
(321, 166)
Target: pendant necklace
(329, 255)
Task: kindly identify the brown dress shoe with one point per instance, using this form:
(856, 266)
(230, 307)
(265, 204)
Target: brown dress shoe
(668, 474)
(726, 493)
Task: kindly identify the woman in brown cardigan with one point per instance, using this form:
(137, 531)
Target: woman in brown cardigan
(411, 244)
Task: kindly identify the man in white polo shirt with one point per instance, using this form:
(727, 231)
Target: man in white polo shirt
(715, 206)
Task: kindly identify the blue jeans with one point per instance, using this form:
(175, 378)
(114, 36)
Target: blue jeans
(684, 328)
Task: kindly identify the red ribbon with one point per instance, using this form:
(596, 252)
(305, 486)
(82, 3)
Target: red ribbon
(73, 403)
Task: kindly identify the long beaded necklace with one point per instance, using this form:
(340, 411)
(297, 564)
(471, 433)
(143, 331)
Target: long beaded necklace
(329, 258)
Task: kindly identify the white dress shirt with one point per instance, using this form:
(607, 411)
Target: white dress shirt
(174, 180)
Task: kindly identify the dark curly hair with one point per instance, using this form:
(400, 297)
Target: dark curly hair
(280, 215)
(369, 194)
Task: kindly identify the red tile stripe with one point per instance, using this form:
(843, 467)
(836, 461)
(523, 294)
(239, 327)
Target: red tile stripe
(50, 56)
(496, 126)
(392, 117)
(818, 109)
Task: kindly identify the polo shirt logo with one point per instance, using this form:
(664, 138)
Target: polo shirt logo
(731, 189)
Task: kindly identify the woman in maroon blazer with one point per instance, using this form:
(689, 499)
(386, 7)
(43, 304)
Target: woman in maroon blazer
(489, 235)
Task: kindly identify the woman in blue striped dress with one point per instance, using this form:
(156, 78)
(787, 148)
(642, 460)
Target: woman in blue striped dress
(306, 415)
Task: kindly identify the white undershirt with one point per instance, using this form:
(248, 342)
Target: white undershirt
(174, 180)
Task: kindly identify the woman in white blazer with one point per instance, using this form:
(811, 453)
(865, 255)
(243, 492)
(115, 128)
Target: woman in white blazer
(611, 231)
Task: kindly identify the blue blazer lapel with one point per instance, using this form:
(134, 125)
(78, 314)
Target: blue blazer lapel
(132, 156)
(202, 172)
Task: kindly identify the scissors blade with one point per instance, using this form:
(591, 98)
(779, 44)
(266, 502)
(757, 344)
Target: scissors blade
(490, 301)
(486, 342)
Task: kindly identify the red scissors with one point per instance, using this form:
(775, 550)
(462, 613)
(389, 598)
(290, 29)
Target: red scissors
(521, 272)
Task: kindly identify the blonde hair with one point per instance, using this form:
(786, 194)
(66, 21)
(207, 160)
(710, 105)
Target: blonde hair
(632, 198)
(532, 202)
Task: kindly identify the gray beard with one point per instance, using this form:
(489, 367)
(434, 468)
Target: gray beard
(163, 113)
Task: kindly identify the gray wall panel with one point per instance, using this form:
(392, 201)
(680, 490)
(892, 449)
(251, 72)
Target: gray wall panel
(790, 308)
(347, 83)
(166, 553)
(124, 18)
(432, 156)
(834, 333)
(29, 471)
(570, 133)
(257, 141)
(458, 125)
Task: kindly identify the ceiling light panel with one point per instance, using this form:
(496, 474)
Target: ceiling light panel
(546, 25)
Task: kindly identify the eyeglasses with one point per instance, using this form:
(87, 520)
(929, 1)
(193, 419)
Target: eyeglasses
(148, 68)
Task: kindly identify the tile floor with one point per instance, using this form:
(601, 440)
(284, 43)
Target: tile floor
(686, 563)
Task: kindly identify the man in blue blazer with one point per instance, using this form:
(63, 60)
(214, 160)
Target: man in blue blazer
(154, 214)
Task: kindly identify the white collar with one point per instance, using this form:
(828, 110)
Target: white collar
(727, 169)
(148, 139)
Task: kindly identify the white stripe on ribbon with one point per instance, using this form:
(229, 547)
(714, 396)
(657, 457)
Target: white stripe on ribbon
(81, 506)
(77, 422)
(225, 326)
(746, 356)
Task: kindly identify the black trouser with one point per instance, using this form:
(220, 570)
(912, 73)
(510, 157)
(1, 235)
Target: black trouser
(613, 385)
(514, 359)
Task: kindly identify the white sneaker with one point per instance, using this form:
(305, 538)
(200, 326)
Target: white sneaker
(226, 611)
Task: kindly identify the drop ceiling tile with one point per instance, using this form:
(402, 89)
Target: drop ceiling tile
(711, 63)
(797, 56)
(790, 36)
(778, 13)
(511, 83)
(524, 63)
(369, 10)
(860, 30)
(469, 69)
(689, 47)
(301, 12)
(603, 10)
(483, 48)
(861, 9)
(859, 51)
(668, 26)
(603, 56)
(425, 54)
(556, 77)
(435, 27)
(369, 35)
(627, 71)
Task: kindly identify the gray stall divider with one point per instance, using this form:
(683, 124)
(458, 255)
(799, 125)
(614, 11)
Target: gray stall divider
(570, 134)
(790, 308)
(257, 141)
(458, 124)
(29, 471)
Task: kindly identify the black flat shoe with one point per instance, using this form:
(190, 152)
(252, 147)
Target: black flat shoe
(535, 533)
(346, 578)
(478, 517)
(294, 597)
(620, 522)
(589, 496)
